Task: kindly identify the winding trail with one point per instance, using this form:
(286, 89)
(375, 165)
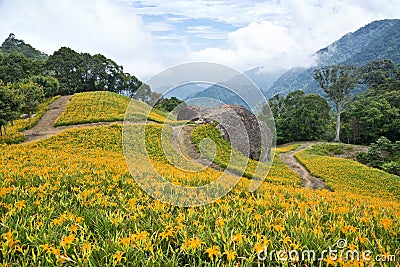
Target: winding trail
(182, 142)
(307, 179)
(45, 127)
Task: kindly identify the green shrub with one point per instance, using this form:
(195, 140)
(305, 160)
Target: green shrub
(392, 167)
(382, 154)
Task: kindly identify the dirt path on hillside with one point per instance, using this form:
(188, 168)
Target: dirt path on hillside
(307, 179)
(45, 126)
(182, 142)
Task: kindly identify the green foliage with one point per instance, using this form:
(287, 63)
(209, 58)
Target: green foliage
(375, 72)
(168, 104)
(14, 131)
(10, 105)
(14, 46)
(375, 113)
(382, 154)
(82, 72)
(25, 96)
(337, 82)
(50, 85)
(392, 167)
(300, 117)
(15, 67)
(33, 95)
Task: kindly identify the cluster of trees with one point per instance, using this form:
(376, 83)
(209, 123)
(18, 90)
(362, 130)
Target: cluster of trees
(28, 75)
(369, 115)
(300, 117)
(82, 72)
(75, 72)
(21, 97)
(168, 104)
(14, 46)
(376, 112)
(360, 120)
(383, 154)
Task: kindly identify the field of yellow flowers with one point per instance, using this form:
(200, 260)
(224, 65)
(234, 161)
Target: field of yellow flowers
(92, 107)
(14, 131)
(70, 200)
(348, 176)
(234, 160)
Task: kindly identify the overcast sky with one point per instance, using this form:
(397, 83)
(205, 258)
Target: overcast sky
(148, 36)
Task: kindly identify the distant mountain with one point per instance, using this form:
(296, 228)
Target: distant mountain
(224, 92)
(186, 91)
(264, 78)
(12, 45)
(217, 95)
(237, 91)
(377, 40)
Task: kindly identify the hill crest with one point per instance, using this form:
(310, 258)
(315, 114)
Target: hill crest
(13, 45)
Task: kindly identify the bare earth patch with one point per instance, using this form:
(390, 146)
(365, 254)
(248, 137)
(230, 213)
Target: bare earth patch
(181, 140)
(307, 179)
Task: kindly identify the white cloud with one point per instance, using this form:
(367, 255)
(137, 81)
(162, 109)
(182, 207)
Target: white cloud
(235, 12)
(99, 26)
(316, 24)
(169, 37)
(198, 29)
(207, 32)
(272, 33)
(290, 40)
(159, 27)
(258, 44)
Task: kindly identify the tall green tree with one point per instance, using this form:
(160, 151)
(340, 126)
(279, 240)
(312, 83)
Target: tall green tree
(50, 85)
(145, 94)
(64, 63)
(131, 85)
(10, 105)
(300, 117)
(276, 105)
(33, 95)
(337, 82)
